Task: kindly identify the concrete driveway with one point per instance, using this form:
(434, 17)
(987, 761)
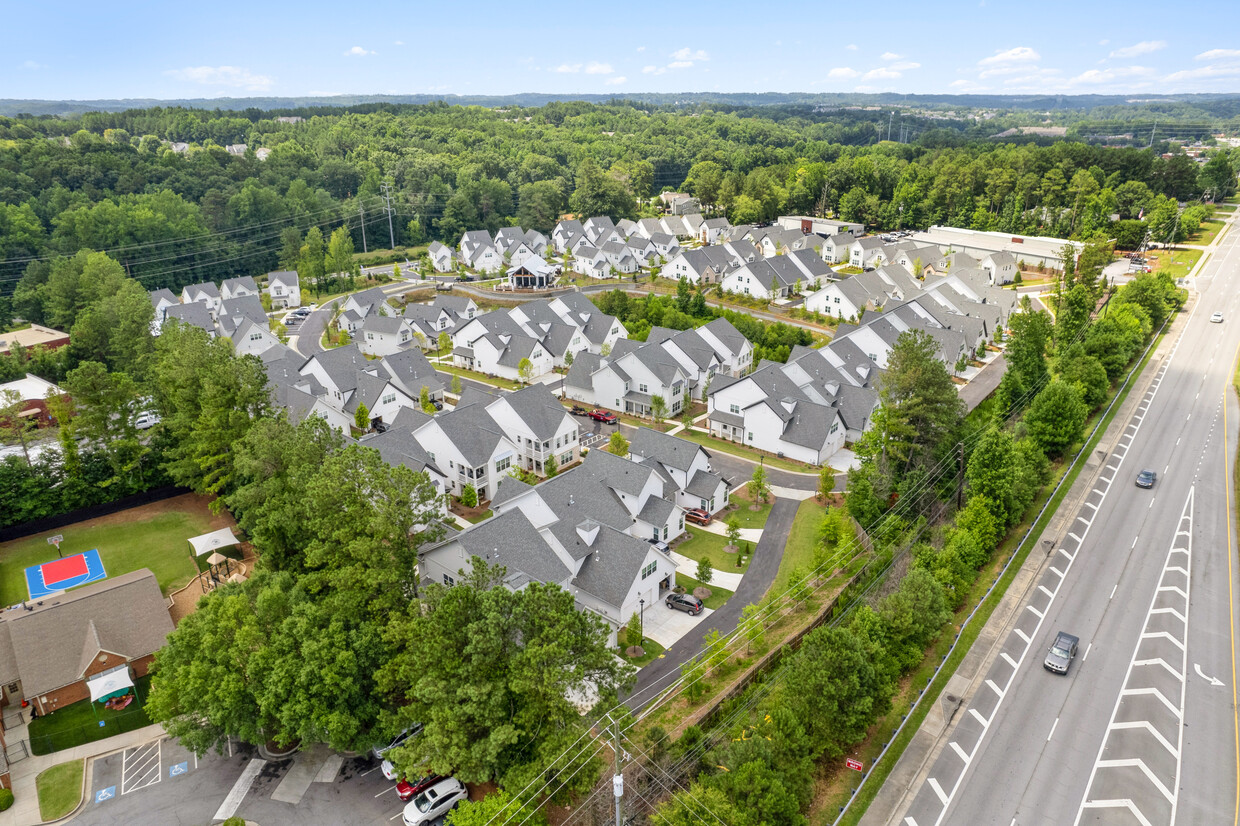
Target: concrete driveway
(667, 625)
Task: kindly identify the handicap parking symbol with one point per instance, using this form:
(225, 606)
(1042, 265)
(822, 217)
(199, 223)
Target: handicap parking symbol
(105, 794)
(179, 768)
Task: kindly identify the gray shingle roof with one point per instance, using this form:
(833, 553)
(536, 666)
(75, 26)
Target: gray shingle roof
(615, 561)
(668, 450)
(194, 314)
(512, 541)
(539, 409)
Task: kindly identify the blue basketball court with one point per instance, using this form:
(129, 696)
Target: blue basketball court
(62, 574)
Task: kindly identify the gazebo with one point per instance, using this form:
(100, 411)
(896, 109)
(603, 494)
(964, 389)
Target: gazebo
(212, 543)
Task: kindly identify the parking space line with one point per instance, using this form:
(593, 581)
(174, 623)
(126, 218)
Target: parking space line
(240, 789)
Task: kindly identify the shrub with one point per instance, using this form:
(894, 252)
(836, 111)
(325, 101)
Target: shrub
(6, 799)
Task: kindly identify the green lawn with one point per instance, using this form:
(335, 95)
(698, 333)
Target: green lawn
(1176, 262)
(482, 517)
(799, 550)
(480, 377)
(744, 516)
(1227, 208)
(737, 449)
(79, 723)
(60, 789)
(1207, 233)
(159, 543)
(653, 652)
(717, 597)
(704, 543)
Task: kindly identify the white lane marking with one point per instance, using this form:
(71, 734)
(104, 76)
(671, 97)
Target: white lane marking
(938, 790)
(1077, 538)
(1023, 636)
(1144, 725)
(1214, 681)
(959, 752)
(908, 821)
(1010, 661)
(1035, 611)
(1046, 591)
(978, 716)
(1121, 804)
(1134, 543)
(1113, 591)
(240, 789)
(1052, 734)
(1160, 662)
(1088, 648)
(1068, 555)
(1136, 762)
(1057, 571)
(996, 688)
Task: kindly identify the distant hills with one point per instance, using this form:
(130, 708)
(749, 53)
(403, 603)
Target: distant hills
(11, 107)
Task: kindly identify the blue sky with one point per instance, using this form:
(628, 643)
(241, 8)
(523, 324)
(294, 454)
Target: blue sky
(179, 50)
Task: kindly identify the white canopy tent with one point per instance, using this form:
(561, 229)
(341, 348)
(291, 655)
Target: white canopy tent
(109, 683)
(208, 542)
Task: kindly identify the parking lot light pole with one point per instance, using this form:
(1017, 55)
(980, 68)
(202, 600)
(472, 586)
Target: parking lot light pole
(641, 620)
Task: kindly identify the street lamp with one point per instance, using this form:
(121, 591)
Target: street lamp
(641, 620)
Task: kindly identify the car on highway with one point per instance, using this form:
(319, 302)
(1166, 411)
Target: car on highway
(578, 410)
(1146, 478)
(427, 806)
(684, 602)
(604, 416)
(1217, 318)
(1062, 652)
(697, 516)
(406, 789)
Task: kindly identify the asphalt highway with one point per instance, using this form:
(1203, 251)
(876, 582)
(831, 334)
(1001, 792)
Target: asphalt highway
(1143, 729)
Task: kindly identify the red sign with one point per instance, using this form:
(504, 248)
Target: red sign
(855, 765)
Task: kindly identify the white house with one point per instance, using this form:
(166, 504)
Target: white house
(384, 335)
(685, 468)
(284, 288)
(238, 288)
(442, 257)
(1001, 266)
(205, 293)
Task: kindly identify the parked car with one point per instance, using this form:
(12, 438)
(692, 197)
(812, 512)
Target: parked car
(1146, 479)
(660, 545)
(146, 420)
(604, 416)
(437, 404)
(1063, 650)
(578, 410)
(697, 516)
(1217, 318)
(684, 602)
(427, 806)
(406, 789)
(386, 767)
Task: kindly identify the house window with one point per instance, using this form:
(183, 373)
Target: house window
(388, 399)
(503, 464)
(649, 569)
(735, 409)
(835, 425)
(751, 435)
(449, 581)
(665, 532)
(703, 505)
(256, 336)
(641, 388)
(566, 458)
(682, 521)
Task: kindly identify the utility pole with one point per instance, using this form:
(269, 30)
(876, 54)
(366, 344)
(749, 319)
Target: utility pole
(362, 212)
(387, 196)
(959, 475)
(1152, 131)
(617, 780)
(889, 119)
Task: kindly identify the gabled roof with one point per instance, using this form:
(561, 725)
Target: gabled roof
(411, 371)
(383, 325)
(194, 314)
(472, 431)
(512, 541)
(731, 337)
(245, 281)
(667, 450)
(206, 288)
(164, 295)
(539, 409)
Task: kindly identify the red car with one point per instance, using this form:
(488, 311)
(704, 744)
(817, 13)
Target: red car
(697, 516)
(406, 789)
(604, 416)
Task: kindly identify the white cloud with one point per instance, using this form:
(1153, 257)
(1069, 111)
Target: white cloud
(1210, 71)
(842, 72)
(652, 70)
(594, 68)
(687, 54)
(1018, 54)
(680, 64)
(1216, 54)
(966, 85)
(890, 56)
(358, 51)
(398, 42)
(905, 65)
(999, 71)
(881, 73)
(233, 77)
(615, 81)
(1136, 49)
(852, 47)
(1104, 41)
(568, 68)
(1096, 76)
(641, 48)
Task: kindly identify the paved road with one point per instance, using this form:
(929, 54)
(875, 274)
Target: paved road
(758, 578)
(1144, 728)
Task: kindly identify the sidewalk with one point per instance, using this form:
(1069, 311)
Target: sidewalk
(25, 810)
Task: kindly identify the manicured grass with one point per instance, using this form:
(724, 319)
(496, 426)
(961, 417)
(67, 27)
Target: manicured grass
(1207, 233)
(740, 450)
(1227, 208)
(1175, 262)
(79, 723)
(745, 517)
(799, 549)
(60, 789)
(479, 518)
(159, 543)
(653, 652)
(507, 384)
(706, 544)
(717, 597)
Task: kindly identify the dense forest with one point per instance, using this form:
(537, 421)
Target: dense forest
(112, 181)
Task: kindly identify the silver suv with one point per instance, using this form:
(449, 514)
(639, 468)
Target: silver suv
(1063, 651)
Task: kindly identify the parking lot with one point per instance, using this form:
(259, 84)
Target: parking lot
(162, 782)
